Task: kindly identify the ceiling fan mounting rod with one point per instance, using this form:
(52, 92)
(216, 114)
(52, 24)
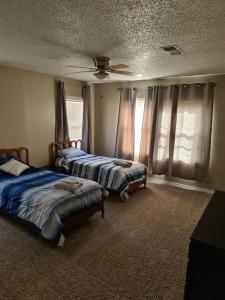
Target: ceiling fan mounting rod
(101, 62)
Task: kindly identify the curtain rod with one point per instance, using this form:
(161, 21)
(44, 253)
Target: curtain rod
(188, 84)
(126, 88)
(182, 84)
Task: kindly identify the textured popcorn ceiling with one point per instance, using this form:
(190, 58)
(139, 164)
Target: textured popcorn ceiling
(46, 35)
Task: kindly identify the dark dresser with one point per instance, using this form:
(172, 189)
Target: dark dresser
(205, 277)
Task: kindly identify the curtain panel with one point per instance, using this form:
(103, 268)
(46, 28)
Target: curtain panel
(61, 123)
(176, 132)
(126, 124)
(193, 131)
(86, 126)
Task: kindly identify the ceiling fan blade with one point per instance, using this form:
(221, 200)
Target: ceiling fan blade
(81, 67)
(114, 67)
(78, 72)
(126, 73)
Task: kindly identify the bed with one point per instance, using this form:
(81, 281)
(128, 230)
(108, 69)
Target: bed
(33, 197)
(100, 169)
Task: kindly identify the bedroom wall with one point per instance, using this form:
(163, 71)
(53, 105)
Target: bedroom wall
(27, 110)
(106, 114)
(92, 107)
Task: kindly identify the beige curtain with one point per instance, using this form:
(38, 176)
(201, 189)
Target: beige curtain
(155, 140)
(193, 131)
(61, 124)
(126, 123)
(176, 132)
(86, 126)
(148, 126)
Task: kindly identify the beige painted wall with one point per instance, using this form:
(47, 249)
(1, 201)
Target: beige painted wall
(92, 115)
(27, 110)
(106, 114)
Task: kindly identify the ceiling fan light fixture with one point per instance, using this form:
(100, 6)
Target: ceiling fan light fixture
(101, 74)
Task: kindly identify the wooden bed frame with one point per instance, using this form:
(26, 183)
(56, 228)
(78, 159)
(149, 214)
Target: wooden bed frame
(54, 147)
(18, 152)
(53, 153)
(70, 221)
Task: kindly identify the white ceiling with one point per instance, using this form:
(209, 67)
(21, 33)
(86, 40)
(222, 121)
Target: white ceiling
(47, 35)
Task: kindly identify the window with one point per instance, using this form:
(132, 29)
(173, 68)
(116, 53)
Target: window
(139, 111)
(74, 107)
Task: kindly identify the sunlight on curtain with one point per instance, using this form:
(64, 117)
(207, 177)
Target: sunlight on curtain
(180, 119)
(163, 135)
(187, 132)
(163, 124)
(186, 135)
(139, 110)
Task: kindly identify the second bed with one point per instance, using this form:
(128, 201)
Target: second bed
(109, 172)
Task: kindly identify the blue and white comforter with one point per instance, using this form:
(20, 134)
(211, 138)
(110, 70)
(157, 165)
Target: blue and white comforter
(33, 197)
(102, 170)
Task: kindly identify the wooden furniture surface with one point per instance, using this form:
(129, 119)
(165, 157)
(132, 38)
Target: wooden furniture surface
(70, 221)
(205, 277)
(53, 153)
(84, 215)
(22, 153)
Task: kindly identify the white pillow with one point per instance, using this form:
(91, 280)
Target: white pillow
(14, 167)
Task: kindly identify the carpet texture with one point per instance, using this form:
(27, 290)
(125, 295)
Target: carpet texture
(138, 252)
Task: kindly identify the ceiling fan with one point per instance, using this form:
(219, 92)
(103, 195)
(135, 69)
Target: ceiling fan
(103, 70)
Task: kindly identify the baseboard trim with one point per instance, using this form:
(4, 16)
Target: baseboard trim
(181, 185)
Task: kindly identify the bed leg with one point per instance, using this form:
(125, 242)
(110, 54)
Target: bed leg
(61, 241)
(125, 197)
(103, 210)
(145, 183)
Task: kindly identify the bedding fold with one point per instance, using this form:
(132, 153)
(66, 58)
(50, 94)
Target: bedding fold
(123, 163)
(68, 186)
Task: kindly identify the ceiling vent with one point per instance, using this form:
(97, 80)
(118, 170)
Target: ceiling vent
(173, 50)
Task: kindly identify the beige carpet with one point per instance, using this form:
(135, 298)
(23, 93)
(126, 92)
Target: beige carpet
(138, 252)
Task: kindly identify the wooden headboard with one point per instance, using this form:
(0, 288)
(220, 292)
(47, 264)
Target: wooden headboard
(22, 153)
(54, 147)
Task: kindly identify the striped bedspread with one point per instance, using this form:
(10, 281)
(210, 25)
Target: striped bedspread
(33, 197)
(102, 170)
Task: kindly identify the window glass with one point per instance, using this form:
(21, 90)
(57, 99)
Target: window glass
(75, 118)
